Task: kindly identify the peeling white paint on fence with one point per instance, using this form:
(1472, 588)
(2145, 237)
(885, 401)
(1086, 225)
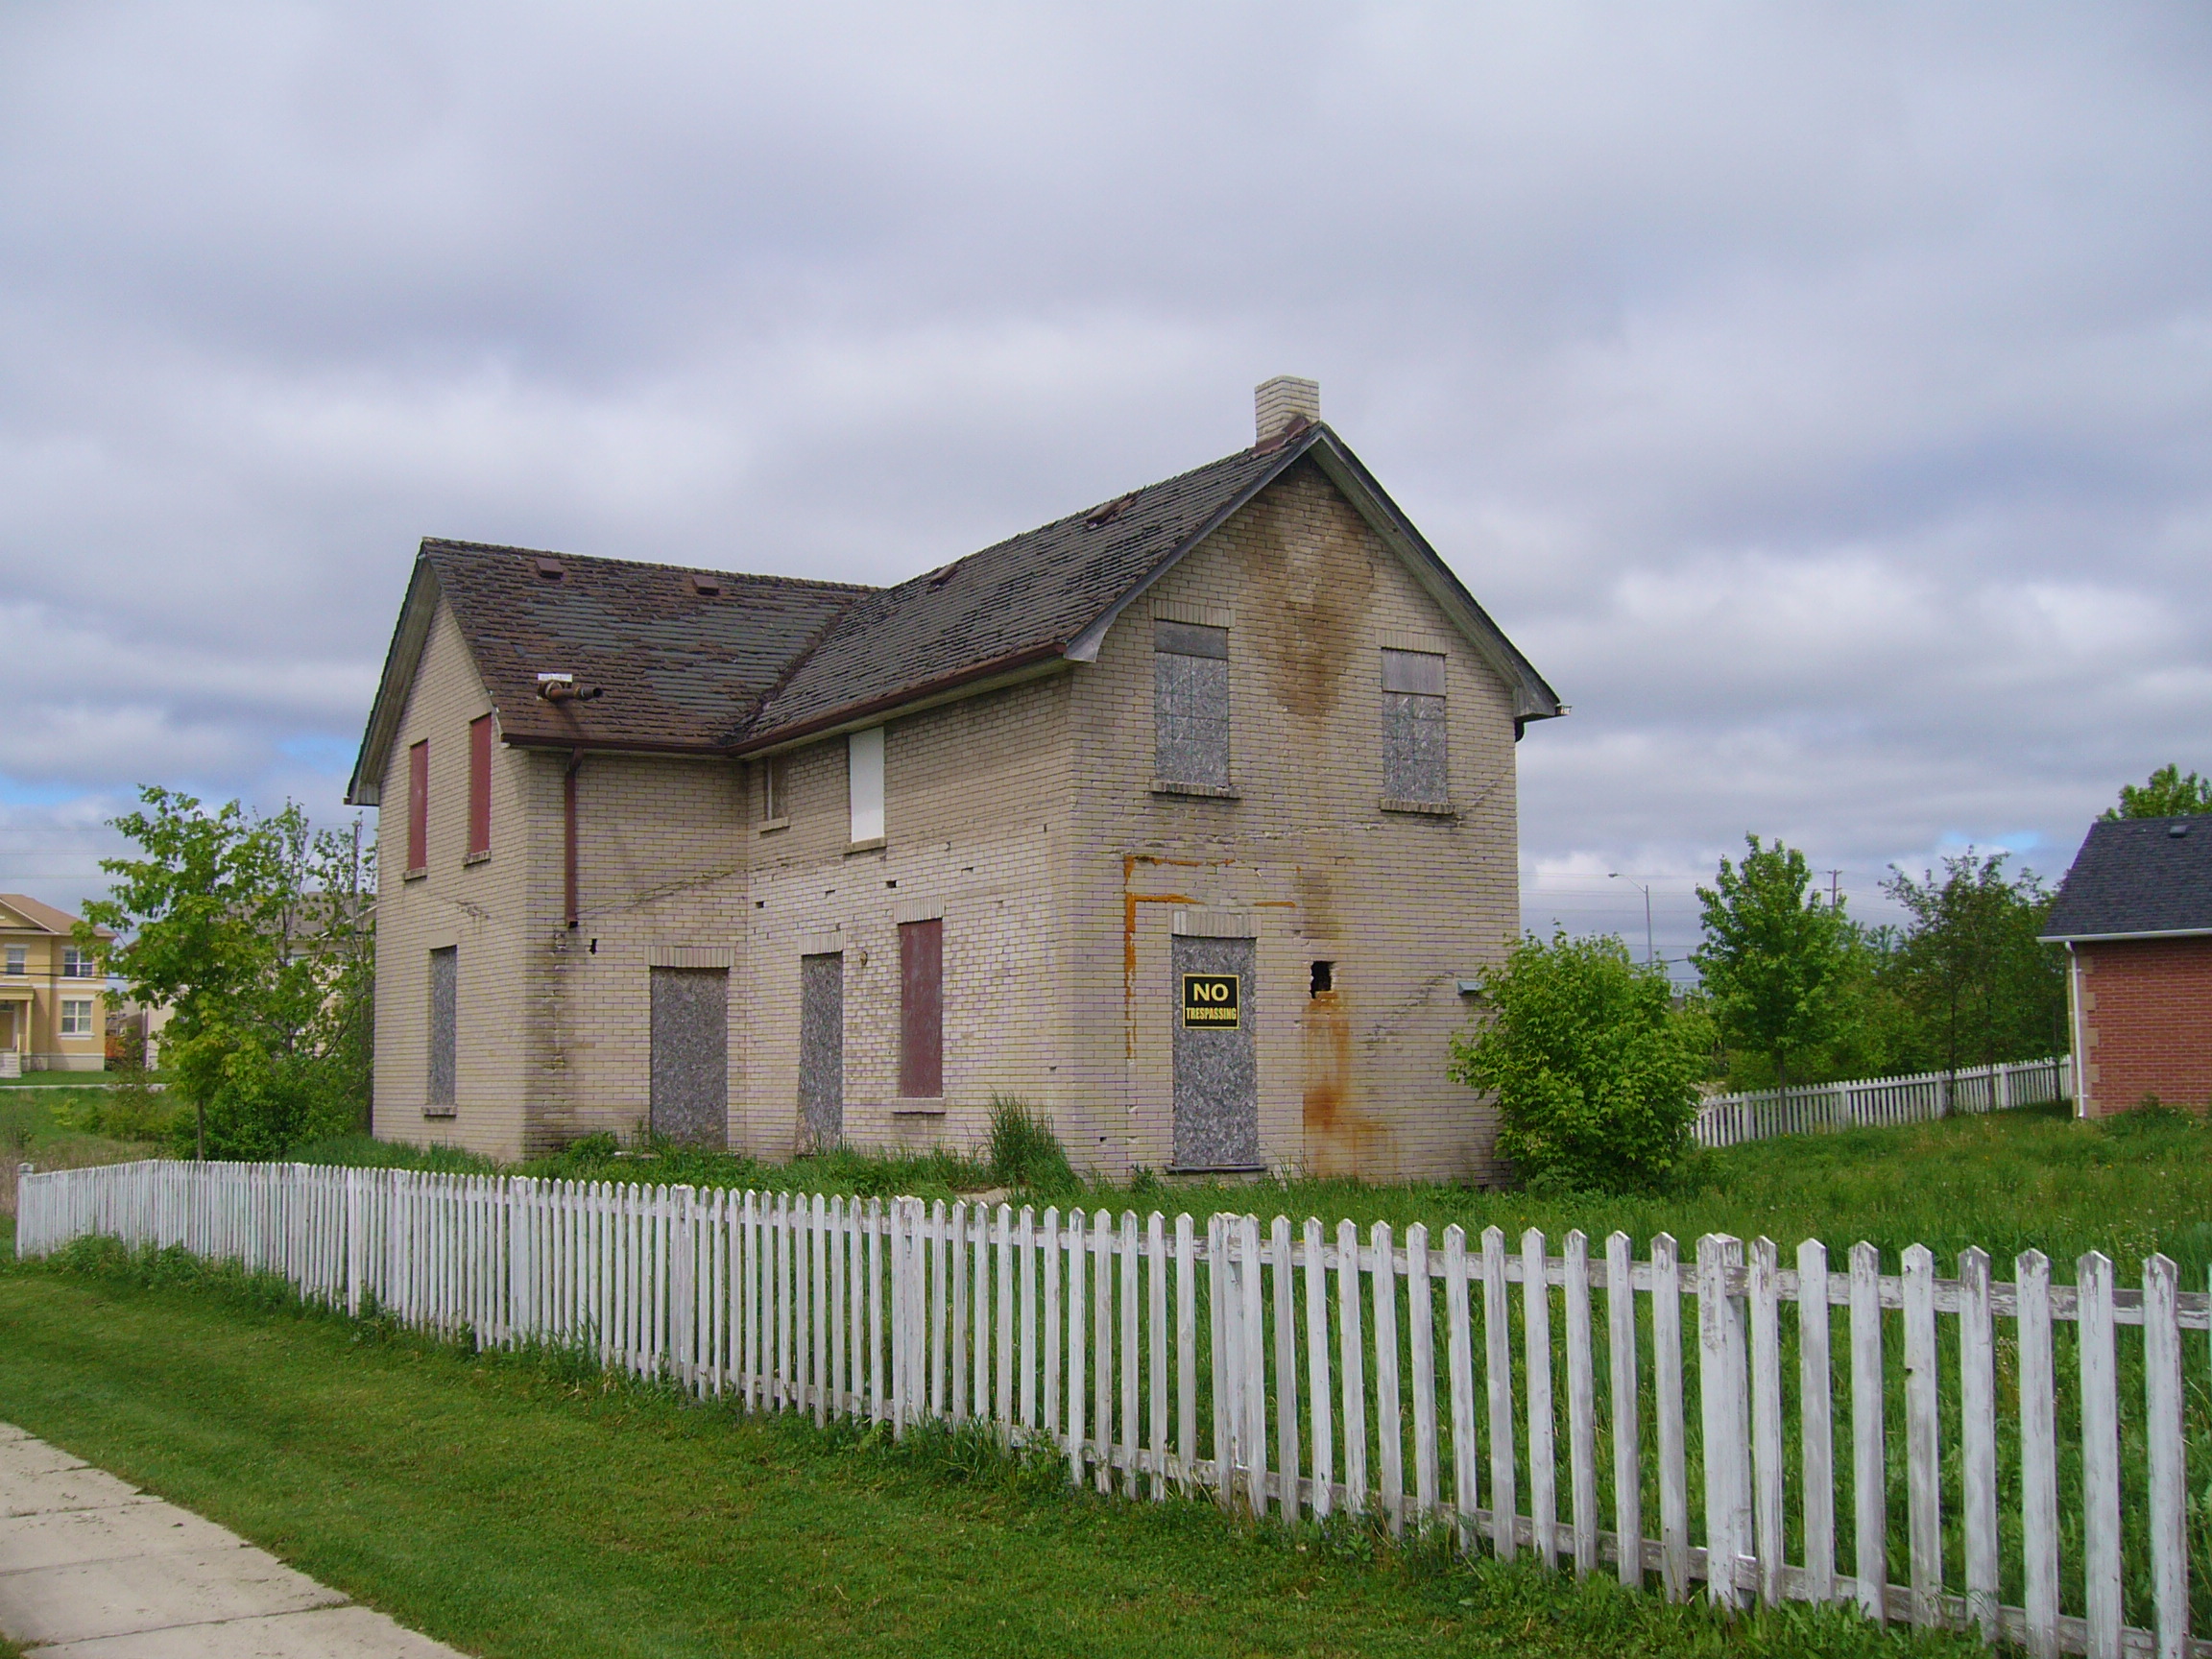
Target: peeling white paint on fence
(897, 1312)
(1880, 1102)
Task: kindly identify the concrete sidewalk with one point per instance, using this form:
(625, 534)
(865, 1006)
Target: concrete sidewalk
(93, 1569)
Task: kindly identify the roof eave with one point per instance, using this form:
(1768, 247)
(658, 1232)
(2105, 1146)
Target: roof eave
(409, 636)
(1030, 662)
(1533, 699)
(2123, 938)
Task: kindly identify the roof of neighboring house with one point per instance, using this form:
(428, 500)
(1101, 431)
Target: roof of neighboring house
(44, 918)
(2137, 878)
(768, 661)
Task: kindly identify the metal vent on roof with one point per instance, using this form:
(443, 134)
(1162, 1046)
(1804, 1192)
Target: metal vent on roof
(2176, 830)
(705, 587)
(549, 569)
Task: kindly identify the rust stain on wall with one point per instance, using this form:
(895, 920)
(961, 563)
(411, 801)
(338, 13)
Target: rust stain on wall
(1340, 1140)
(1129, 903)
(1320, 577)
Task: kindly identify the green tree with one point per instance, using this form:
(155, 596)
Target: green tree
(1969, 965)
(256, 930)
(2169, 793)
(1595, 1079)
(1775, 958)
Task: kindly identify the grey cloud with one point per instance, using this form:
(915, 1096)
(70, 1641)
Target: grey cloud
(1821, 395)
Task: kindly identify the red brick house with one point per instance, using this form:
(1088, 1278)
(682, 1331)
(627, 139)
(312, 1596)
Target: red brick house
(2136, 916)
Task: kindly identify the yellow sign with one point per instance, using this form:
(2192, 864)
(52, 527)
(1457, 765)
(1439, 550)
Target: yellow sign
(1210, 1000)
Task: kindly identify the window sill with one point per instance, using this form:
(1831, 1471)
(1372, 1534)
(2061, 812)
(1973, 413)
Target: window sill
(417, 873)
(483, 857)
(912, 1107)
(1420, 808)
(874, 844)
(1203, 791)
(440, 1112)
(769, 826)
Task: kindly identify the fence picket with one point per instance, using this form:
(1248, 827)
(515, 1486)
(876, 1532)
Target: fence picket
(1459, 1347)
(1627, 1449)
(2169, 1493)
(1351, 1369)
(1498, 1358)
(1869, 1494)
(1390, 1431)
(1666, 1393)
(1281, 1282)
(1923, 1493)
(1721, 1400)
(1581, 1409)
(1421, 1332)
(1317, 1393)
(1815, 1422)
(1978, 1438)
(2100, 1457)
(1536, 1376)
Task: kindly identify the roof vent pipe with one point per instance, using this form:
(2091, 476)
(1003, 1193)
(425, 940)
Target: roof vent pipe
(1284, 405)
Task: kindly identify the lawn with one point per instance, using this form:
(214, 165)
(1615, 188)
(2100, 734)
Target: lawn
(2004, 1181)
(517, 1505)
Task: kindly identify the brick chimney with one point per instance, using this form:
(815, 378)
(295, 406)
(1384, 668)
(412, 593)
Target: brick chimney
(1284, 404)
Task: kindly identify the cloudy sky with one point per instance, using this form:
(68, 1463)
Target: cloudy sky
(1819, 393)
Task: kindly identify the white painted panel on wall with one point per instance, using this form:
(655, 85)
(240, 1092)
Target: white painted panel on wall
(865, 777)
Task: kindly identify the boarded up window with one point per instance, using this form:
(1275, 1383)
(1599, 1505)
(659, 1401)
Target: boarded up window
(921, 1010)
(480, 785)
(822, 1048)
(418, 808)
(690, 1057)
(444, 1024)
(864, 778)
(1415, 763)
(776, 787)
(1191, 704)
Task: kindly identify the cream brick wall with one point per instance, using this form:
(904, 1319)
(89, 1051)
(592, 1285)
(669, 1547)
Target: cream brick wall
(976, 822)
(1404, 905)
(480, 908)
(1024, 817)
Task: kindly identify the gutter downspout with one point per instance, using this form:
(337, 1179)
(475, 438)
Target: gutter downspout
(2074, 1020)
(569, 837)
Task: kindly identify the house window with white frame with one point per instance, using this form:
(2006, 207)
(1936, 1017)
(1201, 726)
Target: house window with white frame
(77, 1017)
(77, 964)
(19, 960)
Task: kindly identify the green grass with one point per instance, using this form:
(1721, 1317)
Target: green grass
(2005, 1182)
(527, 1506)
(40, 1126)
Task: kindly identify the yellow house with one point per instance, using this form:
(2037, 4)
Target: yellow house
(52, 993)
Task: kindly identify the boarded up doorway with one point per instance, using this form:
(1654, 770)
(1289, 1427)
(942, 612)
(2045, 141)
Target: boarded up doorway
(822, 1049)
(690, 1099)
(1217, 1065)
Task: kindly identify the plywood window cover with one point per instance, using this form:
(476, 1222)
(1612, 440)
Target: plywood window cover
(864, 784)
(1199, 616)
(1214, 924)
(418, 808)
(690, 956)
(479, 787)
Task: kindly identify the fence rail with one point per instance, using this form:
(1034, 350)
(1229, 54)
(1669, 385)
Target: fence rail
(1559, 1404)
(1880, 1102)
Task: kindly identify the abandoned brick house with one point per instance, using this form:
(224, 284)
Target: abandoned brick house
(1183, 820)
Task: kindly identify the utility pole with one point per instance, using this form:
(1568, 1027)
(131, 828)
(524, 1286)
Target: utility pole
(1834, 876)
(1615, 875)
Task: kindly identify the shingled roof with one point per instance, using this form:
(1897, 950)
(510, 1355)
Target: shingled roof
(768, 661)
(2137, 878)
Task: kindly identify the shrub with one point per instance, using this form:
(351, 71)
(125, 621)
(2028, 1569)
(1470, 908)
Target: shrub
(1023, 1151)
(1595, 1083)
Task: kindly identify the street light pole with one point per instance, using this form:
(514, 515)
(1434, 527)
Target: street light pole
(1649, 956)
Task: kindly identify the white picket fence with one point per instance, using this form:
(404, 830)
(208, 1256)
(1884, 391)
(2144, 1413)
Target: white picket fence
(1312, 1371)
(1880, 1102)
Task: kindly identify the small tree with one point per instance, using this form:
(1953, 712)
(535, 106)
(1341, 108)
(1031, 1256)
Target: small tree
(1775, 957)
(2170, 793)
(1970, 966)
(256, 931)
(1595, 1079)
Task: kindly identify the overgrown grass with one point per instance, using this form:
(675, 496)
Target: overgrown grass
(44, 1126)
(2004, 1181)
(526, 1504)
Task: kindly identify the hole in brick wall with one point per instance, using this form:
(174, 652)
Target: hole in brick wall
(1324, 978)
